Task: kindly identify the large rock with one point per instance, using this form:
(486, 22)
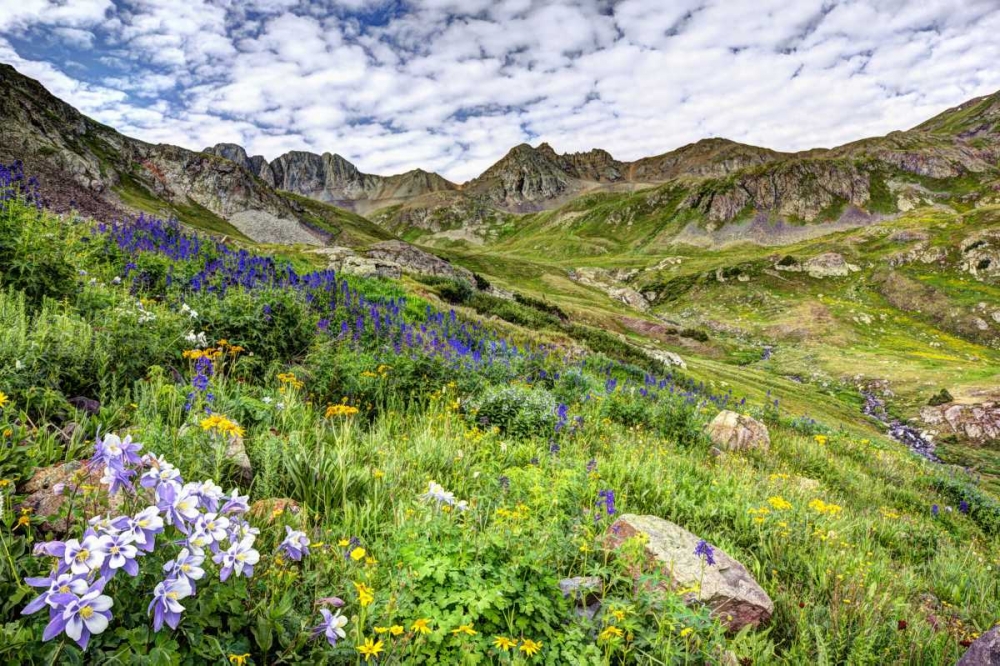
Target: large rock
(236, 453)
(49, 488)
(978, 423)
(271, 508)
(828, 264)
(726, 587)
(415, 260)
(984, 652)
(346, 261)
(737, 432)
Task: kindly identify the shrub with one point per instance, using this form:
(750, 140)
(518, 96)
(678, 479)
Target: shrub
(940, 398)
(516, 411)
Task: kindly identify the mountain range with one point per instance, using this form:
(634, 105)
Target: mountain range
(711, 183)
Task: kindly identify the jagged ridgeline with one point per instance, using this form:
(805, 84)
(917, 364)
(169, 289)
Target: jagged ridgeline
(593, 430)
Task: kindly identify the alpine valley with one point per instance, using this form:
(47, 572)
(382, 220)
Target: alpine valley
(795, 357)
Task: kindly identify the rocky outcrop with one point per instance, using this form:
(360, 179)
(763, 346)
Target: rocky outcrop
(717, 580)
(347, 261)
(236, 454)
(737, 432)
(415, 260)
(828, 264)
(525, 177)
(985, 651)
(977, 423)
(612, 283)
(271, 509)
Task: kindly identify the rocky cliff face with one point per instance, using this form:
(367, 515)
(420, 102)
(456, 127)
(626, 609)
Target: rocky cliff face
(92, 168)
(332, 178)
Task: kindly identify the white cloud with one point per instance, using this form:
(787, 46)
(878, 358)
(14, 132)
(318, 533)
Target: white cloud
(451, 85)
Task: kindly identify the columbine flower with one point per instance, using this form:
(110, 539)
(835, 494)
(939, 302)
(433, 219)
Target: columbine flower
(121, 555)
(295, 545)
(114, 451)
(705, 551)
(165, 605)
(239, 558)
(163, 478)
(144, 527)
(66, 583)
(437, 493)
(117, 478)
(187, 566)
(84, 557)
(210, 495)
(332, 626)
(82, 616)
(235, 503)
(183, 509)
(214, 525)
(240, 529)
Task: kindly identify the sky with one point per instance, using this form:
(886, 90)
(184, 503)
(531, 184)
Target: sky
(451, 86)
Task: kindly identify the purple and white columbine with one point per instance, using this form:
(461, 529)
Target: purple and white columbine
(165, 605)
(81, 616)
(240, 558)
(332, 626)
(296, 544)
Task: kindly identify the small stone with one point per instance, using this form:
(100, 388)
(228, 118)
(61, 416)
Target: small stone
(735, 432)
(88, 405)
(586, 590)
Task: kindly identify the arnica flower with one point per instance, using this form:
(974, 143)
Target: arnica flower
(610, 632)
(819, 506)
(464, 629)
(296, 544)
(221, 424)
(370, 648)
(332, 626)
(705, 551)
(358, 554)
(504, 643)
(530, 647)
(240, 558)
(165, 605)
(396, 630)
(81, 617)
(779, 503)
(239, 659)
(4, 399)
(366, 595)
(421, 626)
(340, 410)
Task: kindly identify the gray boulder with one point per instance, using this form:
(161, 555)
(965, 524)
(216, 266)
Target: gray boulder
(736, 432)
(984, 652)
(726, 586)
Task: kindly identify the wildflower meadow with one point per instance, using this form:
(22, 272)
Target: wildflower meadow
(214, 455)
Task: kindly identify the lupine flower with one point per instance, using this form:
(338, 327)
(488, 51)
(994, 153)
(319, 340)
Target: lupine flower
(165, 605)
(332, 626)
(963, 507)
(82, 616)
(295, 545)
(934, 510)
(66, 583)
(607, 497)
(240, 558)
(121, 555)
(82, 558)
(705, 551)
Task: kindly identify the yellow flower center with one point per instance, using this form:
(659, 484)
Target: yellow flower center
(82, 555)
(86, 612)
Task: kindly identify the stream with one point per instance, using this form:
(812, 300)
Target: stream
(899, 431)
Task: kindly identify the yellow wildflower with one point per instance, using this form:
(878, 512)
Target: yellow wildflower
(239, 659)
(221, 424)
(381, 630)
(464, 629)
(396, 630)
(779, 503)
(530, 647)
(340, 410)
(366, 595)
(421, 626)
(822, 507)
(358, 554)
(504, 643)
(820, 439)
(370, 648)
(686, 631)
(610, 631)
(343, 543)
(4, 399)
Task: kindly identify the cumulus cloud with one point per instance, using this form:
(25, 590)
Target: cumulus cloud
(451, 85)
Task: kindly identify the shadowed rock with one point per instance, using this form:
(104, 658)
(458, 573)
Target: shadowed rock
(736, 432)
(984, 652)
